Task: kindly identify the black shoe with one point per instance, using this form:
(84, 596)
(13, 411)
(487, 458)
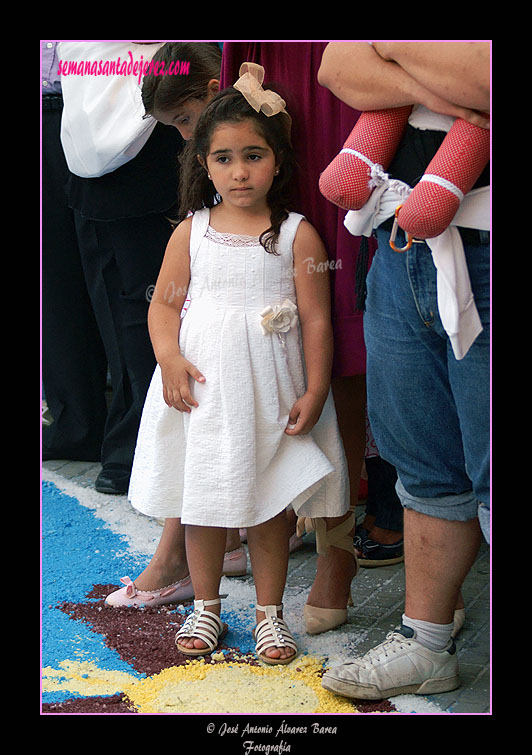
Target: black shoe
(376, 554)
(360, 537)
(114, 480)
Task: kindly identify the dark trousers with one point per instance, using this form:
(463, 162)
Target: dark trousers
(74, 364)
(383, 502)
(121, 261)
(97, 278)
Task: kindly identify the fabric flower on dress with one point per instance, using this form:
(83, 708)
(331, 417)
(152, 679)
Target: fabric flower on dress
(279, 319)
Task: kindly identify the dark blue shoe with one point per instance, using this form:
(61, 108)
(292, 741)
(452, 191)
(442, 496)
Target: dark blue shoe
(374, 554)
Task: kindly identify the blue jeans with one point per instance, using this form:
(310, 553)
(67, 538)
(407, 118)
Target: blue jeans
(429, 412)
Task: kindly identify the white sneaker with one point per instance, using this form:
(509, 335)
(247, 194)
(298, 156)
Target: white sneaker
(400, 665)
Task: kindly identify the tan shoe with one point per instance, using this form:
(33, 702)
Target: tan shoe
(318, 620)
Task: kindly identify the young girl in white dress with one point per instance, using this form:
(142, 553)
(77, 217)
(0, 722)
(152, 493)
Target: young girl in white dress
(239, 421)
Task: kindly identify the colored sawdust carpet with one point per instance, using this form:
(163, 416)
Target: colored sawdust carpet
(98, 659)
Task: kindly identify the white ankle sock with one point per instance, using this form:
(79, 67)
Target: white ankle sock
(432, 636)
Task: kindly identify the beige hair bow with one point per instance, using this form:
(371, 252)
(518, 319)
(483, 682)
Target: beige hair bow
(250, 85)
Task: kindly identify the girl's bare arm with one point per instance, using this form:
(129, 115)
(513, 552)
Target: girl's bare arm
(164, 321)
(311, 270)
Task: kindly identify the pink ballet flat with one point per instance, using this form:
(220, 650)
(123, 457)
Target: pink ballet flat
(131, 597)
(235, 563)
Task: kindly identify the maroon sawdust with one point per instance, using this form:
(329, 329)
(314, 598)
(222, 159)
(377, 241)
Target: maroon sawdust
(106, 704)
(144, 638)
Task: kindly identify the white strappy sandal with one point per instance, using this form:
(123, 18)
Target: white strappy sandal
(203, 625)
(273, 632)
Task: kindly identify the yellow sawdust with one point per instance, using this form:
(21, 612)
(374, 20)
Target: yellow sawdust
(237, 688)
(199, 687)
(84, 678)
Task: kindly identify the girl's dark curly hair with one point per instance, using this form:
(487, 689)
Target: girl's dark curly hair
(197, 191)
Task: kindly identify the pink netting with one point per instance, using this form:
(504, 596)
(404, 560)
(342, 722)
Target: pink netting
(430, 208)
(376, 135)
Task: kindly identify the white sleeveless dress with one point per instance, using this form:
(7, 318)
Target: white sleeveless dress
(229, 463)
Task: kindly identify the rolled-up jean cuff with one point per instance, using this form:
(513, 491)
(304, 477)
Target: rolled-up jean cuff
(484, 519)
(457, 508)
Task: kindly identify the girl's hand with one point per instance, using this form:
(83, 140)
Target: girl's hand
(176, 388)
(304, 414)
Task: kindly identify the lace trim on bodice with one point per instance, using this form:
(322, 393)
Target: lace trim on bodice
(231, 239)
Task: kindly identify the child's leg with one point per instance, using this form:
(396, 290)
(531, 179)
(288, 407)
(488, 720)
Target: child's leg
(205, 555)
(268, 552)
